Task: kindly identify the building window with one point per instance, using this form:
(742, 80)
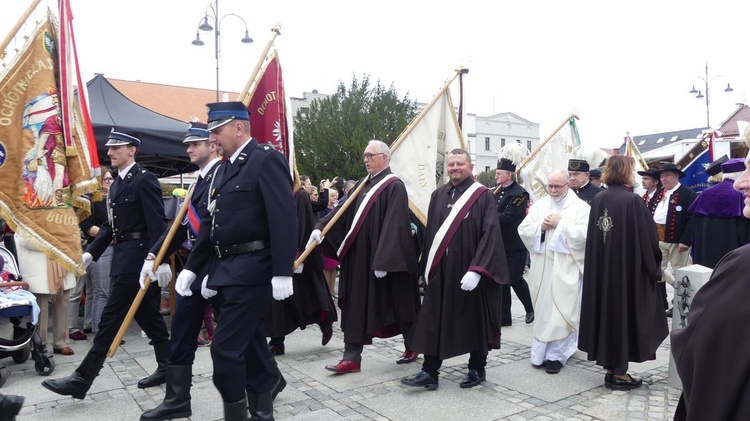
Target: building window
(502, 142)
(486, 143)
(528, 145)
(487, 168)
(518, 141)
(661, 139)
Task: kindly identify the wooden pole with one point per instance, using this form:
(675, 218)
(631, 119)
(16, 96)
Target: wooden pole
(429, 105)
(244, 97)
(157, 261)
(541, 145)
(17, 27)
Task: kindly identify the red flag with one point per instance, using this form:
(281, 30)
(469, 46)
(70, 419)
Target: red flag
(268, 119)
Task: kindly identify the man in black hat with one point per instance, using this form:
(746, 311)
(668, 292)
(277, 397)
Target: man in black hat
(512, 200)
(136, 220)
(190, 306)
(673, 224)
(578, 170)
(652, 184)
(248, 244)
(718, 223)
(595, 177)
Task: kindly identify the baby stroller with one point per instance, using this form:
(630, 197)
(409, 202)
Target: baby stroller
(17, 305)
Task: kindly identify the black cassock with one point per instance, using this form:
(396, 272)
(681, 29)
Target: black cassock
(371, 306)
(311, 301)
(622, 317)
(711, 353)
(453, 321)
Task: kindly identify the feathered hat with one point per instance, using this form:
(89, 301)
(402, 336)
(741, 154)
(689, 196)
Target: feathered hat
(511, 155)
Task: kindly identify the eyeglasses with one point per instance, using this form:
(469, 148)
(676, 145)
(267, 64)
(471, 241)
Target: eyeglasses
(369, 156)
(555, 186)
(108, 180)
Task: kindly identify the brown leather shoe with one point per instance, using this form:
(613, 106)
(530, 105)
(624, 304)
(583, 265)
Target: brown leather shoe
(63, 351)
(407, 357)
(344, 367)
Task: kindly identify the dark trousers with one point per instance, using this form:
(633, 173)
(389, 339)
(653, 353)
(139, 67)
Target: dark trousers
(431, 365)
(663, 292)
(186, 326)
(620, 371)
(353, 351)
(521, 288)
(122, 292)
(239, 350)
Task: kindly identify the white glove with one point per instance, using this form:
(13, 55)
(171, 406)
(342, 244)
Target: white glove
(380, 273)
(282, 287)
(183, 282)
(470, 281)
(163, 275)
(207, 292)
(146, 270)
(87, 258)
(314, 236)
(299, 268)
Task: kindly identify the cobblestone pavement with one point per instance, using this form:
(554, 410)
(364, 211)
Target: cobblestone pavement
(514, 390)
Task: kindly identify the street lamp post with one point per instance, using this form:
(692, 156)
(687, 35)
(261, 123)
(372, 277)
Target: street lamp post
(206, 26)
(699, 94)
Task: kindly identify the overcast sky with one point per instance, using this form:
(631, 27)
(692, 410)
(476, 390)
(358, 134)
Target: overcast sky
(621, 66)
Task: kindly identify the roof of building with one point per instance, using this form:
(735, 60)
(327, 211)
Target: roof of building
(648, 142)
(729, 127)
(179, 102)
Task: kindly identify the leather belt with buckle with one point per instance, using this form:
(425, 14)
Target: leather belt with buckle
(249, 247)
(129, 236)
(661, 231)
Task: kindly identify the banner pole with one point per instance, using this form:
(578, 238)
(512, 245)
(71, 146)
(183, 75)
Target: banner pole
(244, 97)
(541, 145)
(17, 26)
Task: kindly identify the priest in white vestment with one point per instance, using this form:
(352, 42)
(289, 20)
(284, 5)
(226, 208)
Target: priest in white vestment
(554, 231)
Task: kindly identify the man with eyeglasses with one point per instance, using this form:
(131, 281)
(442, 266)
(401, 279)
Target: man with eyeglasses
(378, 290)
(554, 232)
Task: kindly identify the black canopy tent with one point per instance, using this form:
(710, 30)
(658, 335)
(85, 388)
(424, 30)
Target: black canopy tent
(162, 151)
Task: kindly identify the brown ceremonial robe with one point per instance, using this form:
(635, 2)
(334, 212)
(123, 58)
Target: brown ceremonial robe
(622, 318)
(711, 353)
(370, 306)
(453, 321)
(311, 301)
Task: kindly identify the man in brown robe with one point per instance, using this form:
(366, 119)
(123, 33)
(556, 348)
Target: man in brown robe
(378, 290)
(312, 301)
(711, 352)
(464, 268)
(621, 315)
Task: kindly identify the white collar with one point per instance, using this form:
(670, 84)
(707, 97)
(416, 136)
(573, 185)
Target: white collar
(238, 151)
(124, 172)
(204, 170)
(673, 189)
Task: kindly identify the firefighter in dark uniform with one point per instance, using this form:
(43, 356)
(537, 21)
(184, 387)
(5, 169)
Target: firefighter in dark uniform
(578, 170)
(249, 244)
(136, 220)
(190, 306)
(512, 200)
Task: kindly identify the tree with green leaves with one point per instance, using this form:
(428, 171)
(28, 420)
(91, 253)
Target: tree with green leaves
(329, 141)
(487, 178)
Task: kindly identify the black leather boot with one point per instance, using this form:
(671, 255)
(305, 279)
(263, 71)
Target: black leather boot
(78, 383)
(262, 406)
(163, 353)
(235, 411)
(176, 402)
(10, 405)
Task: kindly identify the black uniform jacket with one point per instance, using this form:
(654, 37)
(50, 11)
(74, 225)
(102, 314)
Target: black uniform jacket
(137, 221)
(252, 202)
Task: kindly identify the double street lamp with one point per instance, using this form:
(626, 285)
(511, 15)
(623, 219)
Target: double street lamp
(212, 13)
(699, 93)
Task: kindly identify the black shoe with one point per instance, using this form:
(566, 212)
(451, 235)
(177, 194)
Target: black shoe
(280, 383)
(529, 317)
(552, 367)
(162, 352)
(326, 330)
(176, 402)
(10, 405)
(669, 312)
(276, 349)
(78, 383)
(473, 378)
(620, 384)
(421, 379)
(608, 380)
